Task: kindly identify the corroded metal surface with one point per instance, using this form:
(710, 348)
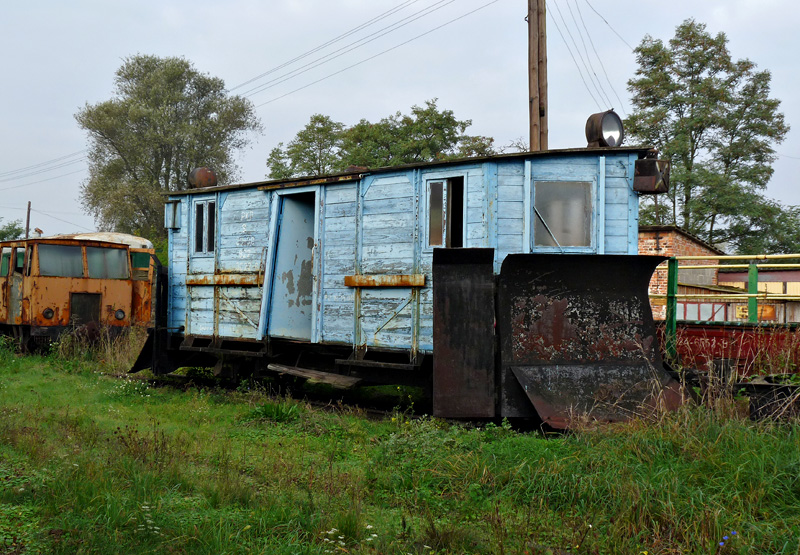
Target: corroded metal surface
(651, 176)
(412, 280)
(49, 304)
(202, 177)
(226, 279)
(463, 333)
(578, 338)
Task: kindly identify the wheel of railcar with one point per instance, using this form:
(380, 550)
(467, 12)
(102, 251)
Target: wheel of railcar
(22, 335)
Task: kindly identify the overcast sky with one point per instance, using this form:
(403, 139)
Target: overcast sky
(59, 56)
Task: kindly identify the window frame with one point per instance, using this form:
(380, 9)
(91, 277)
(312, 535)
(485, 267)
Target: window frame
(446, 180)
(591, 248)
(57, 247)
(208, 207)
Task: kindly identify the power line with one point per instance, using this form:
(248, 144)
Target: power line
(602, 66)
(25, 208)
(593, 73)
(576, 63)
(60, 220)
(334, 40)
(609, 26)
(577, 50)
(378, 54)
(347, 48)
(41, 164)
(41, 180)
(42, 170)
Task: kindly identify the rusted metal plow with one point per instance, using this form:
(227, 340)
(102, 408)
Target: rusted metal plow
(576, 339)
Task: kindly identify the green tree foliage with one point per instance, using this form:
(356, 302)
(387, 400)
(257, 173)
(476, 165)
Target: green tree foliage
(426, 134)
(11, 230)
(165, 119)
(314, 151)
(714, 119)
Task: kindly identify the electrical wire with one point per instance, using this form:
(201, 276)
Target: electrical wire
(334, 40)
(553, 19)
(348, 48)
(25, 208)
(578, 51)
(609, 26)
(60, 220)
(610, 84)
(41, 180)
(378, 54)
(42, 170)
(41, 164)
(593, 73)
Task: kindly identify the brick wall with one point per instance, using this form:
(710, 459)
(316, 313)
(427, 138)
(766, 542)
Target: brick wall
(671, 243)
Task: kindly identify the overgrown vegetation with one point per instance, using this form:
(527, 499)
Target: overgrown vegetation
(95, 462)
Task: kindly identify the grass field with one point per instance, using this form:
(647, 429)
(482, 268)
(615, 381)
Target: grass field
(92, 462)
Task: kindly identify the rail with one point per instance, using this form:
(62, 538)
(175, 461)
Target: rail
(752, 295)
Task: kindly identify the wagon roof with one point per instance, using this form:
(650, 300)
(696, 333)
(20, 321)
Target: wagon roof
(360, 172)
(112, 238)
(61, 240)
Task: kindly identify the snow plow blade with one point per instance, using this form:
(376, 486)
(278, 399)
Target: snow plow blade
(578, 340)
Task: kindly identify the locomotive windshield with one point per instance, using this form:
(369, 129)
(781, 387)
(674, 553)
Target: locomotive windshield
(60, 261)
(105, 263)
(67, 261)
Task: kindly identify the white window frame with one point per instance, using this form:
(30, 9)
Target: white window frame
(208, 206)
(426, 223)
(592, 246)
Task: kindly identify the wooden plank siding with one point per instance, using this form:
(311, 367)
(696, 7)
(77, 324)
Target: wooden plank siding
(376, 225)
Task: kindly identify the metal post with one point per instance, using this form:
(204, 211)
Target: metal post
(752, 289)
(672, 308)
(28, 222)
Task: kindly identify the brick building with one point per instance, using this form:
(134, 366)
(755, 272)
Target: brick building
(673, 241)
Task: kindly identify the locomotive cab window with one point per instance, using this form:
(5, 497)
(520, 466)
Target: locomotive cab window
(446, 212)
(60, 260)
(106, 263)
(204, 227)
(562, 213)
(140, 265)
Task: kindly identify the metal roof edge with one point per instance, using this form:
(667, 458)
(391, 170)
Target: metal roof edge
(354, 176)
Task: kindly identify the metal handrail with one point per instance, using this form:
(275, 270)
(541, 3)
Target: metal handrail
(753, 295)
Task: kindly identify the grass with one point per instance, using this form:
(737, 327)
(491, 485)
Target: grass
(94, 462)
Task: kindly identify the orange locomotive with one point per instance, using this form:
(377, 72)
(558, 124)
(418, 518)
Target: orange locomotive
(52, 284)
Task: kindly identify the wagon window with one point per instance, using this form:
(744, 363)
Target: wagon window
(446, 212)
(562, 214)
(107, 263)
(5, 260)
(204, 227)
(60, 261)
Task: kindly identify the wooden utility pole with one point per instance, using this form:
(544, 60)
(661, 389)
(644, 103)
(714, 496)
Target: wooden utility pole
(28, 222)
(537, 74)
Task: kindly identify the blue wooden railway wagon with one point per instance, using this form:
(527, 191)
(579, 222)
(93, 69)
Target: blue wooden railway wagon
(283, 274)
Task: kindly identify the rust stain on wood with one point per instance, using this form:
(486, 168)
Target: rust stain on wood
(410, 280)
(226, 280)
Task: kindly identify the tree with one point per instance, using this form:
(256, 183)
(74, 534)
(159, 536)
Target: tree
(11, 230)
(165, 119)
(714, 119)
(425, 135)
(314, 151)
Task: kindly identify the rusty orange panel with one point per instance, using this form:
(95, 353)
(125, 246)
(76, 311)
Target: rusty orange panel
(411, 280)
(54, 293)
(142, 303)
(226, 279)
